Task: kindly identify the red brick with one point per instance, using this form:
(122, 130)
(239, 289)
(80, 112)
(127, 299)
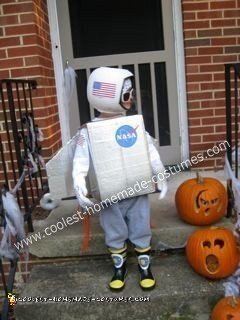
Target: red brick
(197, 42)
(195, 139)
(7, 20)
(2, 54)
(207, 163)
(225, 59)
(209, 33)
(213, 120)
(22, 29)
(4, 74)
(189, 34)
(11, 63)
(212, 86)
(209, 14)
(210, 50)
(212, 103)
(220, 128)
(223, 23)
(213, 137)
(231, 13)
(31, 61)
(220, 111)
(234, 49)
(193, 87)
(191, 52)
(223, 41)
(195, 6)
(17, 8)
(222, 4)
(201, 130)
(199, 24)
(194, 122)
(201, 146)
(219, 76)
(219, 94)
(200, 113)
(192, 69)
(27, 18)
(231, 31)
(9, 42)
(193, 105)
(24, 51)
(26, 72)
(198, 60)
(199, 95)
(199, 77)
(189, 16)
(212, 68)
(32, 39)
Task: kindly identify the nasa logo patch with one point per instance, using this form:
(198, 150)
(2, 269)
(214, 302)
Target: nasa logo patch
(126, 136)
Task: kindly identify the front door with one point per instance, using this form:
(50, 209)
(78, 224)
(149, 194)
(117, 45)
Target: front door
(136, 35)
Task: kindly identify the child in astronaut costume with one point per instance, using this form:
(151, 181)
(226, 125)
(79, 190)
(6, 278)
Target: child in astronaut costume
(128, 219)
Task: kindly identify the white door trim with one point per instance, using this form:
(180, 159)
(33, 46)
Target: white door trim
(181, 78)
(180, 73)
(58, 69)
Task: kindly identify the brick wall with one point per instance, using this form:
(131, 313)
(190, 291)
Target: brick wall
(25, 52)
(211, 39)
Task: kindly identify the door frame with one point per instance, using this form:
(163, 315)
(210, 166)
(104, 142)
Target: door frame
(180, 75)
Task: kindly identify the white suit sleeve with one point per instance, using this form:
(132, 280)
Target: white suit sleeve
(81, 167)
(157, 167)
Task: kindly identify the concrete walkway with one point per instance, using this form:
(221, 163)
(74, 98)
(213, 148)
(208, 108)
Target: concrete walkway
(167, 228)
(180, 292)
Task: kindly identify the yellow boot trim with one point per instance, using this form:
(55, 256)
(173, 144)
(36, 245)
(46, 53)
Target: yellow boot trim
(147, 283)
(116, 284)
(142, 250)
(112, 250)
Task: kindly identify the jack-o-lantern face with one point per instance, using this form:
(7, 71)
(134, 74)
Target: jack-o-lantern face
(206, 202)
(201, 201)
(213, 252)
(227, 308)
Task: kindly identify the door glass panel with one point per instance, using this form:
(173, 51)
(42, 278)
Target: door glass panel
(162, 104)
(114, 27)
(133, 110)
(81, 83)
(146, 97)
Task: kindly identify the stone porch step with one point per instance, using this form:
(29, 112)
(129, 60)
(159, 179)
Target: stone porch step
(180, 293)
(167, 227)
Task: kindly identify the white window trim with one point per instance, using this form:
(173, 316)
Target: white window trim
(180, 72)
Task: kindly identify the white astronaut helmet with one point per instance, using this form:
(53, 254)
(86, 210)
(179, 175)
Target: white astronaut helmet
(105, 87)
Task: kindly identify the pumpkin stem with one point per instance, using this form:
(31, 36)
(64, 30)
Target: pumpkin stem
(199, 177)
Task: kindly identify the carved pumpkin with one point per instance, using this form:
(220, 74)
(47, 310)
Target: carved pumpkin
(201, 201)
(212, 252)
(227, 308)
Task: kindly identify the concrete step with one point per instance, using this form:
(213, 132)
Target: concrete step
(167, 227)
(180, 293)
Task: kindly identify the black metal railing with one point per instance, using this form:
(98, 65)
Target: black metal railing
(232, 94)
(20, 159)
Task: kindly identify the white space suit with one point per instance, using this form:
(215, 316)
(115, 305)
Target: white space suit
(110, 91)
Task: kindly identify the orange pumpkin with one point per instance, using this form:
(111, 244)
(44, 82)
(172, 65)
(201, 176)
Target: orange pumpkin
(227, 308)
(213, 252)
(201, 201)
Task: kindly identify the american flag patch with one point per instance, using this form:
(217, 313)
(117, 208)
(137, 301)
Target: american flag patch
(104, 89)
(80, 140)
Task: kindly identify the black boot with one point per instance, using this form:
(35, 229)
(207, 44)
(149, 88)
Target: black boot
(147, 281)
(119, 260)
